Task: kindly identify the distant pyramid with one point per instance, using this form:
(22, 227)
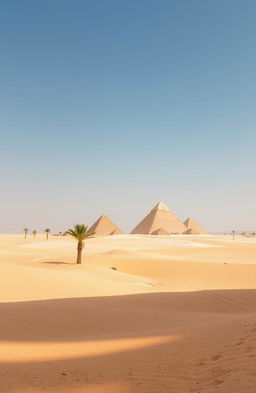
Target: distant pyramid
(194, 227)
(191, 232)
(159, 217)
(104, 226)
(160, 231)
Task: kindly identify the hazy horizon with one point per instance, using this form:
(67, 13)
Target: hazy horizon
(109, 107)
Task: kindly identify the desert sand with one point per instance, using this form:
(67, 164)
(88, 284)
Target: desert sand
(141, 314)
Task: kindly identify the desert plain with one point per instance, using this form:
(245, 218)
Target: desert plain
(142, 314)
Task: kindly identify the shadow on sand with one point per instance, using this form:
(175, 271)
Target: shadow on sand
(175, 366)
(58, 263)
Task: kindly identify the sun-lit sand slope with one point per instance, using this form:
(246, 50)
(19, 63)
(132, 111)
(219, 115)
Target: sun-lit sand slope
(176, 314)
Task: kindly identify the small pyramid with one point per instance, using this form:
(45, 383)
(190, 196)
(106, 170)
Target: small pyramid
(104, 226)
(191, 232)
(195, 228)
(160, 231)
(159, 217)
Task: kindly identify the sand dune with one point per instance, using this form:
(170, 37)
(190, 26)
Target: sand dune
(172, 317)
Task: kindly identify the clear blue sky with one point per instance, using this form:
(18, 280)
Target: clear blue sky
(108, 106)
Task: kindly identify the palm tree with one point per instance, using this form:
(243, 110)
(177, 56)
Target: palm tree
(34, 233)
(233, 234)
(25, 230)
(80, 232)
(47, 231)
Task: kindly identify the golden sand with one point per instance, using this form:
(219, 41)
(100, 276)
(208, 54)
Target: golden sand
(176, 314)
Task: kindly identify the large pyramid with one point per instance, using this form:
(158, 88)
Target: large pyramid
(104, 226)
(160, 231)
(159, 217)
(192, 227)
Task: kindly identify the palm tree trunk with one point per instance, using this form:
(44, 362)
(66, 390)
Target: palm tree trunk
(47, 234)
(79, 252)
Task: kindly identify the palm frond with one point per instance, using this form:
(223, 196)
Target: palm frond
(80, 232)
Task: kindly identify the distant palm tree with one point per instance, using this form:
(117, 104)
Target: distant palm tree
(34, 233)
(47, 231)
(80, 233)
(233, 234)
(25, 230)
